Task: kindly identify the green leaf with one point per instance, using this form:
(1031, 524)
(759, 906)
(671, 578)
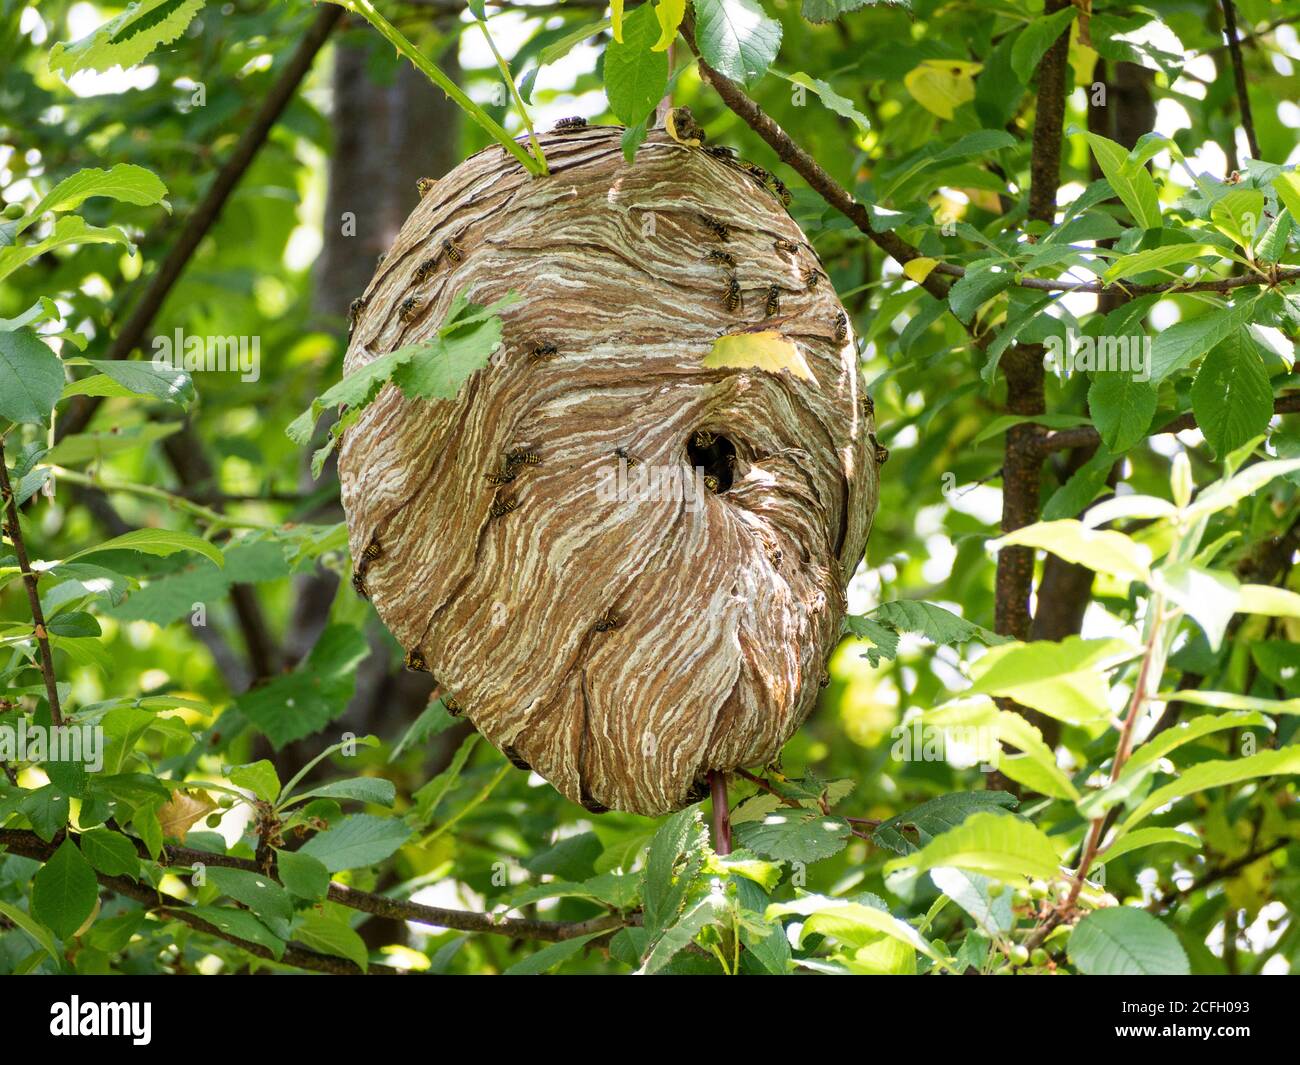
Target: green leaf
(1180, 345)
(1287, 186)
(267, 899)
(1123, 941)
(125, 40)
(73, 623)
(258, 777)
(430, 796)
(241, 924)
(64, 891)
(982, 281)
(70, 229)
(795, 834)
(375, 790)
(1101, 550)
(853, 923)
(440, 373)
(1223, 494)
(1122, 408)
(1147, 837)
(1005, 848)
(736, 38)
(298, 704)
(330, 935)
(1065, 680)
(148, 379)
(937, 816)
(550, 956)
(1132, 184)
(664, 888)
(110, 853)
(841, 105)
(1035, 39)
(155, 542)
(31, 378)
(302, 874)
(933, 622)
(682, 933)
(39, 934)
(125, 181)
(1207, 596)
(830, 10)
(635, 75)
(1238, 214)
(1231, 395)
(1140, 262)
(357, 841)
(1284, 761)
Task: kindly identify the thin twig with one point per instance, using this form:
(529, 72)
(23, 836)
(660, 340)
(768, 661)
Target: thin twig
(15, 532)
(1239, 75)
(30, 845)
(721, 814)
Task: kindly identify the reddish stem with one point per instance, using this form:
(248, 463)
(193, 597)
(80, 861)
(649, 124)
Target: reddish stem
(721, 815)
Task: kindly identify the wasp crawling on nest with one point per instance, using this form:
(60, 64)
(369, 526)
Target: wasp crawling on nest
(543, 352)
(623, 453)
(773, 306)
(731, 298)
(410, 308)
(354, 312)
(425, 185)
(721, 258)
(568, 125)
(716, 226)
(841, 327)
(371, 552)
(414, 661)
(608, 621)
(523, 457)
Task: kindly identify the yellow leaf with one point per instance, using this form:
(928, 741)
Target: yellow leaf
(1082, 57)
(179, 815)
(919, 269)
(765, 350)
(616, 19)
(942, 85)
(670, 13)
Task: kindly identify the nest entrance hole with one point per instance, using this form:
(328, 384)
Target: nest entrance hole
(715, 454)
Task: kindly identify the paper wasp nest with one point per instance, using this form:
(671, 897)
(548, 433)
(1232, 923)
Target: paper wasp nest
(621, 648)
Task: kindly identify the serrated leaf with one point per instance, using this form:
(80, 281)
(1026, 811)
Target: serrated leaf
(64, 891)
(258, 777)
(942, 85)
(241, 924)
(736, 38)
(937, 816)
(302, 875)
(31, 378)
(993, 845)
(1237, 215)
(375, 790)
(1140, 262)
(1232, 397)
(1035, 39)
(1284, 761)
(1122, 408)
(357, 841)
(125, 40)
(1132, 184)
(1101, 550)
(841, 105)
(1123, 941)
(795, 835)
(125, 182)
(1065, 680)
(161, 542)
(635, 75)
(330, 935)
(982, 281)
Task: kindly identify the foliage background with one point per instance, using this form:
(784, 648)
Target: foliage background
(277, 264)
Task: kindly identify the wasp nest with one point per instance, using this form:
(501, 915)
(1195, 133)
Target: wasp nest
(621, 647)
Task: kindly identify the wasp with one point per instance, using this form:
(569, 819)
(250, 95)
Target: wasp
(718, 228)
(543, 351)
(712, 483)
(451, 705)
(773, 300)
(515, 760)
(622, 453)
(841, 327)
(703, 438)
(721, 258)
(410, 308)
(504, 477)
(502, 505)
(882, 452)
(424, 185)
(414, 661)
(755, 171)
(359, 584)
(522, 457)
(354, 312)
(372, 551)
(423, 271)
(567, 125)
(868, 406)
(732, 299)
(825, 680)
(786, 247)
(776, 556)
(682, 127)
(452, 250)
(721, 151)
(608, 621)
(782, 193)
(812, 278)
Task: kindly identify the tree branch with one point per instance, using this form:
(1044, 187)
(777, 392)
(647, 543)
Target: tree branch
(30, 845)
(1239, 75)
(1086, 435)
(15, 532)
